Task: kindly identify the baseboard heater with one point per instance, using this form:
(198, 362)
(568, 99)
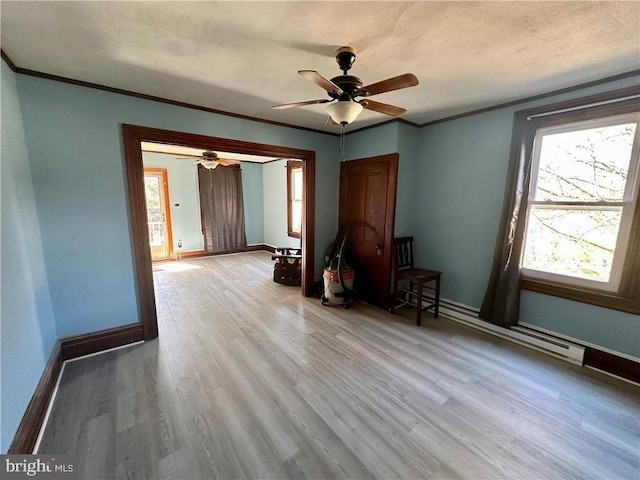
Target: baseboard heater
(556, 347)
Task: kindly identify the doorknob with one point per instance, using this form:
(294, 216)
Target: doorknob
(379, 249)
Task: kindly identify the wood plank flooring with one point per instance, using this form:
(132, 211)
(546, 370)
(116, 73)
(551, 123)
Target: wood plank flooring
(250, 380)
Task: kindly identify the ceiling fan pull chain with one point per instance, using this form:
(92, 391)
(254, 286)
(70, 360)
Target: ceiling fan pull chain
(342, 141)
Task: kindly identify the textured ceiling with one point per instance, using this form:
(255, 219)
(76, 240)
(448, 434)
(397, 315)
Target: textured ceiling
(242, 57)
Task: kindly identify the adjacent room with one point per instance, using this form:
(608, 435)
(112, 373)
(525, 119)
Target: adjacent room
(321, 239)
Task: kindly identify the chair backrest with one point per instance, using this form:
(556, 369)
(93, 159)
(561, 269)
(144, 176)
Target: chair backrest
(403, 253)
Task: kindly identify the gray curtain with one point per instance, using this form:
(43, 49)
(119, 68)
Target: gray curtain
(502, 299)
(222, 209)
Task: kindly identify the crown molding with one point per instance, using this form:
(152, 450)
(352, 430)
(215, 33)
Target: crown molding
(540, 96)
(56, 78)
(8, 61)
(96, 86)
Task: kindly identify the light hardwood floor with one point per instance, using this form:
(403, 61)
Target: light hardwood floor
(250, 380)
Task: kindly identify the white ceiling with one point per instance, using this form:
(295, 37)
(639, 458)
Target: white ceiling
(242, 57)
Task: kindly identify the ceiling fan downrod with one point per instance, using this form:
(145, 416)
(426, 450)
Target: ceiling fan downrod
(346, 88)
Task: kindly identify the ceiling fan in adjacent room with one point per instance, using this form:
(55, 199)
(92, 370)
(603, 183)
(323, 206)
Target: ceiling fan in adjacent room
(344, 89)
(209, 159)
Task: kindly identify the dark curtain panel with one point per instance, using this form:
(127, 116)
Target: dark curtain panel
(222, 209)
(502, 299)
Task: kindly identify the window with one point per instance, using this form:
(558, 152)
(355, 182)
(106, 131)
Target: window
(581, 200)
(580, 239)
(294, 198)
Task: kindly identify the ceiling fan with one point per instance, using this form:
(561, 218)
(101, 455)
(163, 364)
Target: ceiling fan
(209, 159)
(346, 88)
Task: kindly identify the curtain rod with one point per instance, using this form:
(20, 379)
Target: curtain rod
(589, 105)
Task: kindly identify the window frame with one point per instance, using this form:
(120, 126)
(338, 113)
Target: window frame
(627, 204)
(291, 166)
(626, 297)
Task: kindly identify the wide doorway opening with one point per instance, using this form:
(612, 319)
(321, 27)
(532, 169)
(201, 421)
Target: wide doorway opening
(134, 139)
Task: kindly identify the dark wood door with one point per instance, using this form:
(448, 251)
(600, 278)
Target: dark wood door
(368, 204)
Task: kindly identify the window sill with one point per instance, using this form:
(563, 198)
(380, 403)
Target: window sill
(581, 294)
(293, 234)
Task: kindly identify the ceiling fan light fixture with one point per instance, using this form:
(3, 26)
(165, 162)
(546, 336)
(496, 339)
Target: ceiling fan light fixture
(346, 88)
(344, 112)
(210, 165)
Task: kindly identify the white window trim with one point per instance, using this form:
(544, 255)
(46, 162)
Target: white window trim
(294, 171)
(630, 197)
(293, 166)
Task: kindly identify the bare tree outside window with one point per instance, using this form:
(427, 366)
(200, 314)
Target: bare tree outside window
(581, 194)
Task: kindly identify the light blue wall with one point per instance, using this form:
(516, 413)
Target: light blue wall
(596, 325)
(407, 210)
(398, 138)
(72, 215)
(451, 183)
(275, 205)
(27, 329)
(253, 202)
(183, 190)
(264, 193)
(75, 148)
(461, 173)
(372, 142)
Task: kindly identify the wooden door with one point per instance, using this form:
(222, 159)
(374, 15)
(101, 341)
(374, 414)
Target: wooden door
(158, 213)
(368, 204)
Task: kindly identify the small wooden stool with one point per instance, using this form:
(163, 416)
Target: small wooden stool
(403, 269)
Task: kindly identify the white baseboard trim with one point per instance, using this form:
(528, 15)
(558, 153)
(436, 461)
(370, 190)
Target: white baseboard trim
(541, 342)
(36, 447)
(54, 394)
(101, 352)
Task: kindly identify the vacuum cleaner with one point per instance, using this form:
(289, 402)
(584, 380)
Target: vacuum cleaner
(337, 275)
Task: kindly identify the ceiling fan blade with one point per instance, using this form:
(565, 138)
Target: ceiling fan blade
(319, 80)
(300, 104)
(226, 163)
(396, 83)
(382, 108)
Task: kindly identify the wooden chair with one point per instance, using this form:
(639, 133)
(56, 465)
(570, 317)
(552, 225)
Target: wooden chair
(287, 268)
(404, 270)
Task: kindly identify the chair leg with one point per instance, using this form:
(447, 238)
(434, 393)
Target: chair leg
(394, 295)
(419, 303)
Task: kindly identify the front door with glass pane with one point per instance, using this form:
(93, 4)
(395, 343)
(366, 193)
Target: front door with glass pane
(158, 215)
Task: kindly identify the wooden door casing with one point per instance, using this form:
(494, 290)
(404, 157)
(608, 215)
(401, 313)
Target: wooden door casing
(132, 135)
(368, 203)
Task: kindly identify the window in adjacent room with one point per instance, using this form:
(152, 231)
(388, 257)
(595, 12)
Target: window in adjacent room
(294, 198)
(582, 202)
